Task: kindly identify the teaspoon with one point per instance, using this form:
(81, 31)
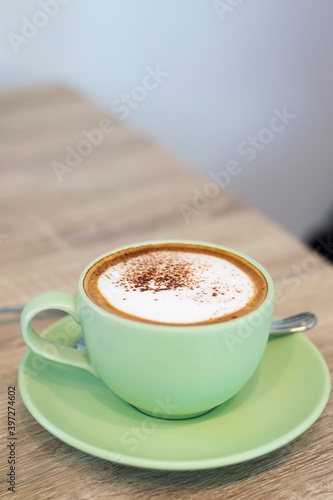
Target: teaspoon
(293, 324)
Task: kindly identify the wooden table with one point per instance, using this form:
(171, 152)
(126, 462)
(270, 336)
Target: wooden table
(55, 219)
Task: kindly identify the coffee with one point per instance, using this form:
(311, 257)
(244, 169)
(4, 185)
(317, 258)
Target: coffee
(175, 284)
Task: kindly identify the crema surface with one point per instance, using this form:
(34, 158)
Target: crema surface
(176, 286)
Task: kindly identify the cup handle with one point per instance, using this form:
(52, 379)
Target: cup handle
(48, 349)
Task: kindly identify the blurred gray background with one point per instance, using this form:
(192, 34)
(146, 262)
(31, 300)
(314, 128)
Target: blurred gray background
(230, 80)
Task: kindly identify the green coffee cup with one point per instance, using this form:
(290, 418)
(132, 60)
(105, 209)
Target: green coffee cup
(166, 370)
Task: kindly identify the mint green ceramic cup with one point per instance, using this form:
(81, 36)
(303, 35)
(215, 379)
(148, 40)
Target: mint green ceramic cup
(164, 370)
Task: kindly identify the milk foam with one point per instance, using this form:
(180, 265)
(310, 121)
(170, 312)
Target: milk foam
(177, 287)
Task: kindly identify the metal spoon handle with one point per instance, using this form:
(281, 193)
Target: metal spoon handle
(12, 309)
(297, 323)
(19, 308)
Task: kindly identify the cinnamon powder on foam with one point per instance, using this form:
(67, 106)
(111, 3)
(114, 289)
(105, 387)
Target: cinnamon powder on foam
(167, 270)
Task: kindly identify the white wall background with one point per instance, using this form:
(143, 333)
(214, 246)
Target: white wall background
(227, 72)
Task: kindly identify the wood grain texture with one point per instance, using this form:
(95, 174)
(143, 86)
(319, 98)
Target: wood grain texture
(126, 190)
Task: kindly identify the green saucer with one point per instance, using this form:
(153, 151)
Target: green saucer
(284, 397)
